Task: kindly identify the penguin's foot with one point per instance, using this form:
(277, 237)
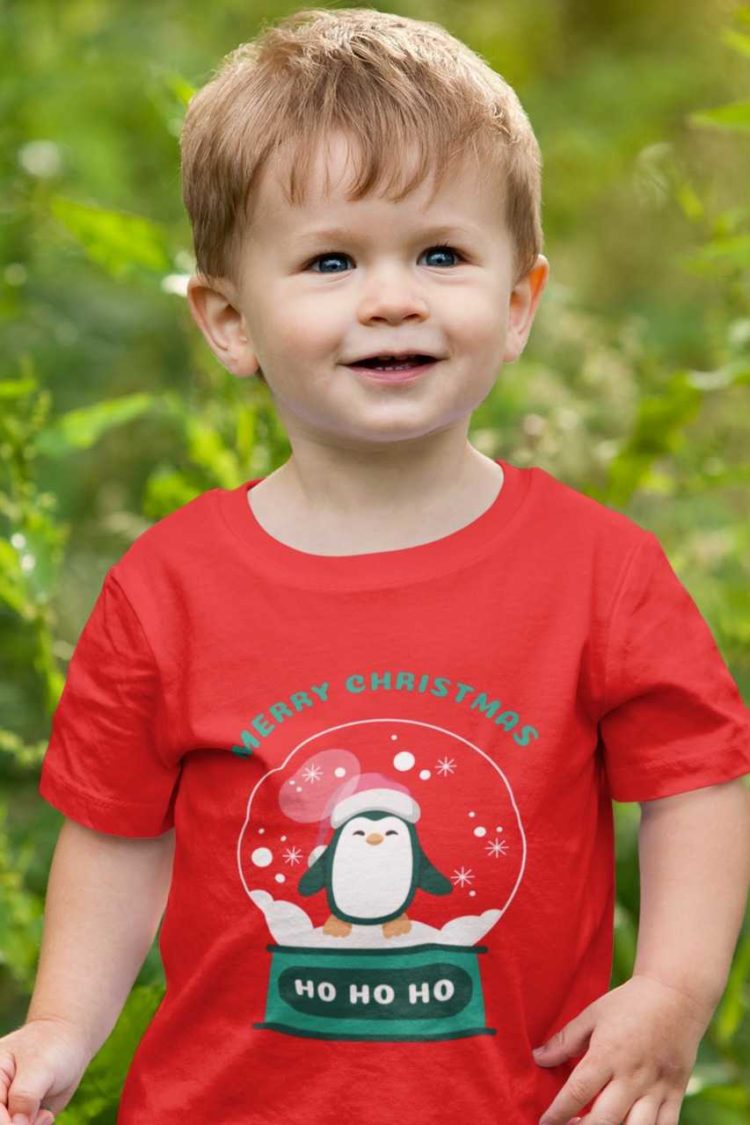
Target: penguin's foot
(335, 927)
(396, 926)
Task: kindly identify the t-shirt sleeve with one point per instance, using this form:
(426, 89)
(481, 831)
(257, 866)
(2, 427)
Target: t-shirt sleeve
(672, 718)
(106, 765)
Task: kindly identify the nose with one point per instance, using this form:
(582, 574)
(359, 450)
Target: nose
(375, 838)
(393, 295)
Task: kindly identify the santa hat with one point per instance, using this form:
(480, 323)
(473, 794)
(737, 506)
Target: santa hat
(372, 792)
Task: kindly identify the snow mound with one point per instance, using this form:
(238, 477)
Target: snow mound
(290, 925)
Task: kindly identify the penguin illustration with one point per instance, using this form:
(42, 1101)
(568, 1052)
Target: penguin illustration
(375, 863)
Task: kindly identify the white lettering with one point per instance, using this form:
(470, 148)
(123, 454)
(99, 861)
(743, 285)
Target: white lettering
(356, 994)
(444, 989)
(384, 994)
(417, 992)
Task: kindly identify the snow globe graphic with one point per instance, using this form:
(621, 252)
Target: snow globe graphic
(380, 853)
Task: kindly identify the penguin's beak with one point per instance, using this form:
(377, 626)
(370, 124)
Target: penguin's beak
(375, 838)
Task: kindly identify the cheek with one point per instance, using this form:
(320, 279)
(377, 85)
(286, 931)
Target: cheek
(306, 329)
(477, 317)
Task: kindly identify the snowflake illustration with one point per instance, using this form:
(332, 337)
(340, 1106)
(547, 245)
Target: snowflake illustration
(292, 855)
(463, 877)
(446, 766)
(312, 773)
(497, 848)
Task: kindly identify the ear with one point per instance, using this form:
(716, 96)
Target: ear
(214, 306)
(523, 304)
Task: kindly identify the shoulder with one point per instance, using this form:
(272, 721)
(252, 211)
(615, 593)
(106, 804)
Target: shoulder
(569, 533)
(574, 517)
(181, 566)
(187, 536)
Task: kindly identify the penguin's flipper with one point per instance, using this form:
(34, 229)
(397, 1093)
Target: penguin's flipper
(430, 879)
(314, 878)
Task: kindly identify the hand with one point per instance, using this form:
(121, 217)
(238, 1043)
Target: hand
(644, 1039)
(41, 1062)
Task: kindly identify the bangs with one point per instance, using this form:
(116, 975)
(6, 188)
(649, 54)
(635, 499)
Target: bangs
(392, 170)
(411, 101)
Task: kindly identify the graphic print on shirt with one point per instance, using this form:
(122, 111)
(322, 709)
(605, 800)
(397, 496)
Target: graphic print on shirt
(380, 853)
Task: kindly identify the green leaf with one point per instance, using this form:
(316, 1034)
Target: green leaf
(20, 910)
(657, 432)
(737, 41)
(167, 489)
(732, 1007)
(179, 87)
(208, 450)
(121, 243)
(80, 429)
(735, 250)
(734, 115)
(16, 388)
(12, 585)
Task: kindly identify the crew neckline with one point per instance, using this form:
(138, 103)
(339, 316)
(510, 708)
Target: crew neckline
(376, 569)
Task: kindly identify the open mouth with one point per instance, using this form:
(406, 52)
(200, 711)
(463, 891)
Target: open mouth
(390, 363)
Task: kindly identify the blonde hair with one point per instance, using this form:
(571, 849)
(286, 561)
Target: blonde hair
(386, 81)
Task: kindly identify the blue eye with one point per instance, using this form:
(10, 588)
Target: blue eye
(443, 250)
(331, 256)
(326, 258)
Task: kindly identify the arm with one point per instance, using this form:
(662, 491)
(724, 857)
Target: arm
(105, 898)
(639, 1041)
(694, 851)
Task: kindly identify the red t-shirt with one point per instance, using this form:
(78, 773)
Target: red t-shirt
(390, 777)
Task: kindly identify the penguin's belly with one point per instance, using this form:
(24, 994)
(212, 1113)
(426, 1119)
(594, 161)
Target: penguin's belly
(369, 884)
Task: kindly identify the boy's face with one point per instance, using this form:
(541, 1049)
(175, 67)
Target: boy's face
(307, 304)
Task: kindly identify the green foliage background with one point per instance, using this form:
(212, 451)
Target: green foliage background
(633, 387)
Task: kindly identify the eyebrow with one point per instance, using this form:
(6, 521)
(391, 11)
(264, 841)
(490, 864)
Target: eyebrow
(439, 230)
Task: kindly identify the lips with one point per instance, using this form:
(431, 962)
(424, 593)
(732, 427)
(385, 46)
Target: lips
(391, 362)
(404, 373)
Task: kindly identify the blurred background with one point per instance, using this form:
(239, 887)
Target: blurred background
(634, 386)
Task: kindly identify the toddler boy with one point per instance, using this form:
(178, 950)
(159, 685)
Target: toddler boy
(360, 723)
